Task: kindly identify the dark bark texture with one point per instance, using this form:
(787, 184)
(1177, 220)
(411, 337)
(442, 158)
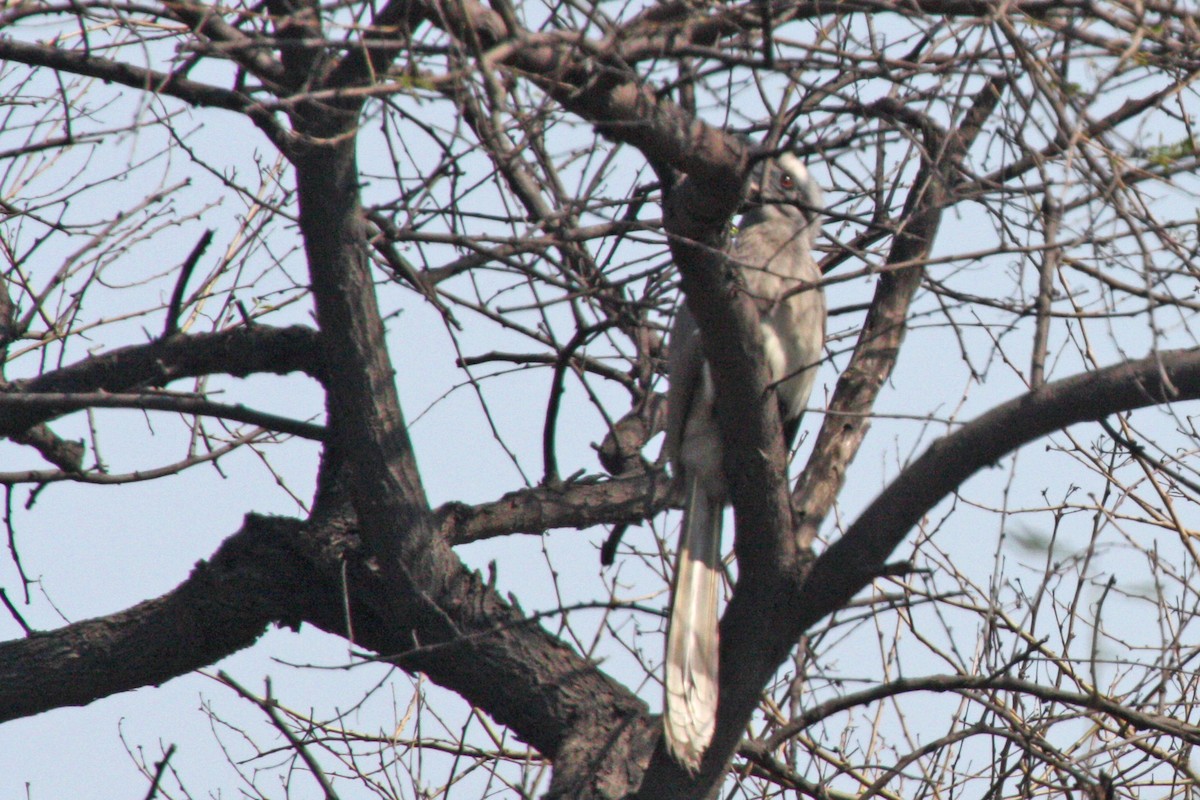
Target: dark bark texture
(373, 544)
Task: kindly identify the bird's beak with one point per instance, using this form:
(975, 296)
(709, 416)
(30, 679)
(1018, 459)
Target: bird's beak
(753, 196)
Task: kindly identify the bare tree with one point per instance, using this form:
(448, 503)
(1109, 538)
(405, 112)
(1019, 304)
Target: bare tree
(343, 193)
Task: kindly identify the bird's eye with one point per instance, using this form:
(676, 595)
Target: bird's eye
(786, 181)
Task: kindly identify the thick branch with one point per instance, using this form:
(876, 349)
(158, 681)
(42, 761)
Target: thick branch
(79, 62)
(851, 562)
(249, 51)
(626, 499)
(590, 79)
(61, 402)
(224, 606)
(284, 572)
(753, 452)
(239, 352)
(438, 617)
(883, 332)
(758, 629)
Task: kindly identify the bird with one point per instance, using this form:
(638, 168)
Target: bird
(772, 255)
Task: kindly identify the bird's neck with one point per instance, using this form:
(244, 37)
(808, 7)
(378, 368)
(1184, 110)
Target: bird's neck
(770, 214)
(771, 225)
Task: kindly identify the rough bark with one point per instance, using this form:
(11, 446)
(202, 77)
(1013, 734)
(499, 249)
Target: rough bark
(471, 641)
(406, 584)
(286, 572)
(259, 349)
(253, 580)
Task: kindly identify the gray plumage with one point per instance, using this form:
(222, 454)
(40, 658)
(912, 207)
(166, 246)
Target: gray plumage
(773, 251)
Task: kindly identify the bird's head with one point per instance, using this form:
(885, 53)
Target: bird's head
(781, 189)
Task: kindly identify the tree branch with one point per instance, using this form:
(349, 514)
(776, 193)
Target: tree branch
(851, 562)
(62, 402)
(240, 352)
(189, 91)
(964, 684)
(249, 51)
(627, 499)
(758, 628)
(284, 572)
(254, 579)
(438, 617)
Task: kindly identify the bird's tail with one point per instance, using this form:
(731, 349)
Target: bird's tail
(692, 638)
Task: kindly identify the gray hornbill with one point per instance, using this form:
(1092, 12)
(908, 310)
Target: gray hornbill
(772, 252)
